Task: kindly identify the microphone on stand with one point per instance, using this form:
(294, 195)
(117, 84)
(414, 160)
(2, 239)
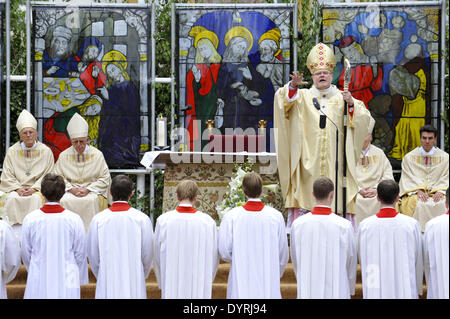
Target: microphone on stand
(323, 117)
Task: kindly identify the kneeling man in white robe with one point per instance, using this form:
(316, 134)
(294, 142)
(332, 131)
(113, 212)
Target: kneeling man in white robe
(323, 249)
(120, 246)
(436, 248)
(390, 250)
(54, 247)
(253, 238)
(85, 172)
(186, 256)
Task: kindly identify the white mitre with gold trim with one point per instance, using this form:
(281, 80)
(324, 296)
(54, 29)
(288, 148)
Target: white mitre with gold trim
(26, 119)
(77, 127)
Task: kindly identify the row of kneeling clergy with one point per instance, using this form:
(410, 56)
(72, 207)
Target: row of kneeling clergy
(186, 246)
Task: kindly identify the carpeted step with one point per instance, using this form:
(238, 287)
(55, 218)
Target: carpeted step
(88, 291)
(16, 288)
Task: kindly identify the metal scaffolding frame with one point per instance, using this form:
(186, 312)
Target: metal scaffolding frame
(171, 80)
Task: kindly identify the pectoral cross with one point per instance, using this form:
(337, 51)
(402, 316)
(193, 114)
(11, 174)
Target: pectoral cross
(28, 172)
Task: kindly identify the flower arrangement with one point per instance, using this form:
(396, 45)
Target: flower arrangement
(235, 196)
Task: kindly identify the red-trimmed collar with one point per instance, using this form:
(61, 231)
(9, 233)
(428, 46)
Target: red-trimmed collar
(119, 207)
(320, 210)
(52, 209)
(186, 209)
(253, 206)
(387, 212)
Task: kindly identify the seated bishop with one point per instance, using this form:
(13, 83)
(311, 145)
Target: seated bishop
(373, 167)
(85, 173)
(25, 164)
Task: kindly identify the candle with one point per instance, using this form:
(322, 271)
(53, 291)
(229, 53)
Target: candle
(161, 131)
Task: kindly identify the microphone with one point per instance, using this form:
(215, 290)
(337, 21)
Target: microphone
(323, 117)
(316, 103)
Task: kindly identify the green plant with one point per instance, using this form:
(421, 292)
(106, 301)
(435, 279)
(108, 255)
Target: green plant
(140, 202)
(235, 197)
(309, 24)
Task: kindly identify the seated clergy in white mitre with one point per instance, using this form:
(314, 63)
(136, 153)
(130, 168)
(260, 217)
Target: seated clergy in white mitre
(24, 166)
(85, 173)
(373, 167)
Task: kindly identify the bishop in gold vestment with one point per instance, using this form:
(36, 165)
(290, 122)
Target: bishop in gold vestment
(85, 173)
(24, 166)
(305, 151)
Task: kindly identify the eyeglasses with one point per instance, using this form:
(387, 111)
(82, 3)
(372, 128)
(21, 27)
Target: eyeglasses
(27, 133)
(321, 73)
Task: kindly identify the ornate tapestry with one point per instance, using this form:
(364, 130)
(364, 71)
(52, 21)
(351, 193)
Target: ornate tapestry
(212, 180)
(395, 55)
(93, 61)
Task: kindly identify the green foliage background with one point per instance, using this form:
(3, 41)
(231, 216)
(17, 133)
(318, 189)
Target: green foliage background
(309, 25)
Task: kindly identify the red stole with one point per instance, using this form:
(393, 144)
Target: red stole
(318, 210)
(52, 209)
(447, 212)
(186, 209)
(387, 213)
(253, 206)
(119, 207)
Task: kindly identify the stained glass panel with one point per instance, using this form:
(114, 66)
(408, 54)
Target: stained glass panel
(93, 61)
(230, 63)
(395, 57)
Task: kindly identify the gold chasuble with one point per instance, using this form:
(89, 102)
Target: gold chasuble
(24, 168)
(306, 152)
(428, 173)
(372, 168)
(87, 170)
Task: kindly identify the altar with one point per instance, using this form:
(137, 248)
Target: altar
(212, 171)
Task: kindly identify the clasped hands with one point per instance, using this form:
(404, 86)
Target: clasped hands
(26, 191)
(79, 191)
(368, 192)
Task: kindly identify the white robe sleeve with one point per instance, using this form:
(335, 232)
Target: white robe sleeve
(147, 246)
(157, 257)
(293, 248)
(79, 250)
(8, 180)
(283, 246)
(352, 260)
(419, 258)
(216, 257)
(426, 263)
(25, 242)
(226, 238)
(93, 252)
(11, 255)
